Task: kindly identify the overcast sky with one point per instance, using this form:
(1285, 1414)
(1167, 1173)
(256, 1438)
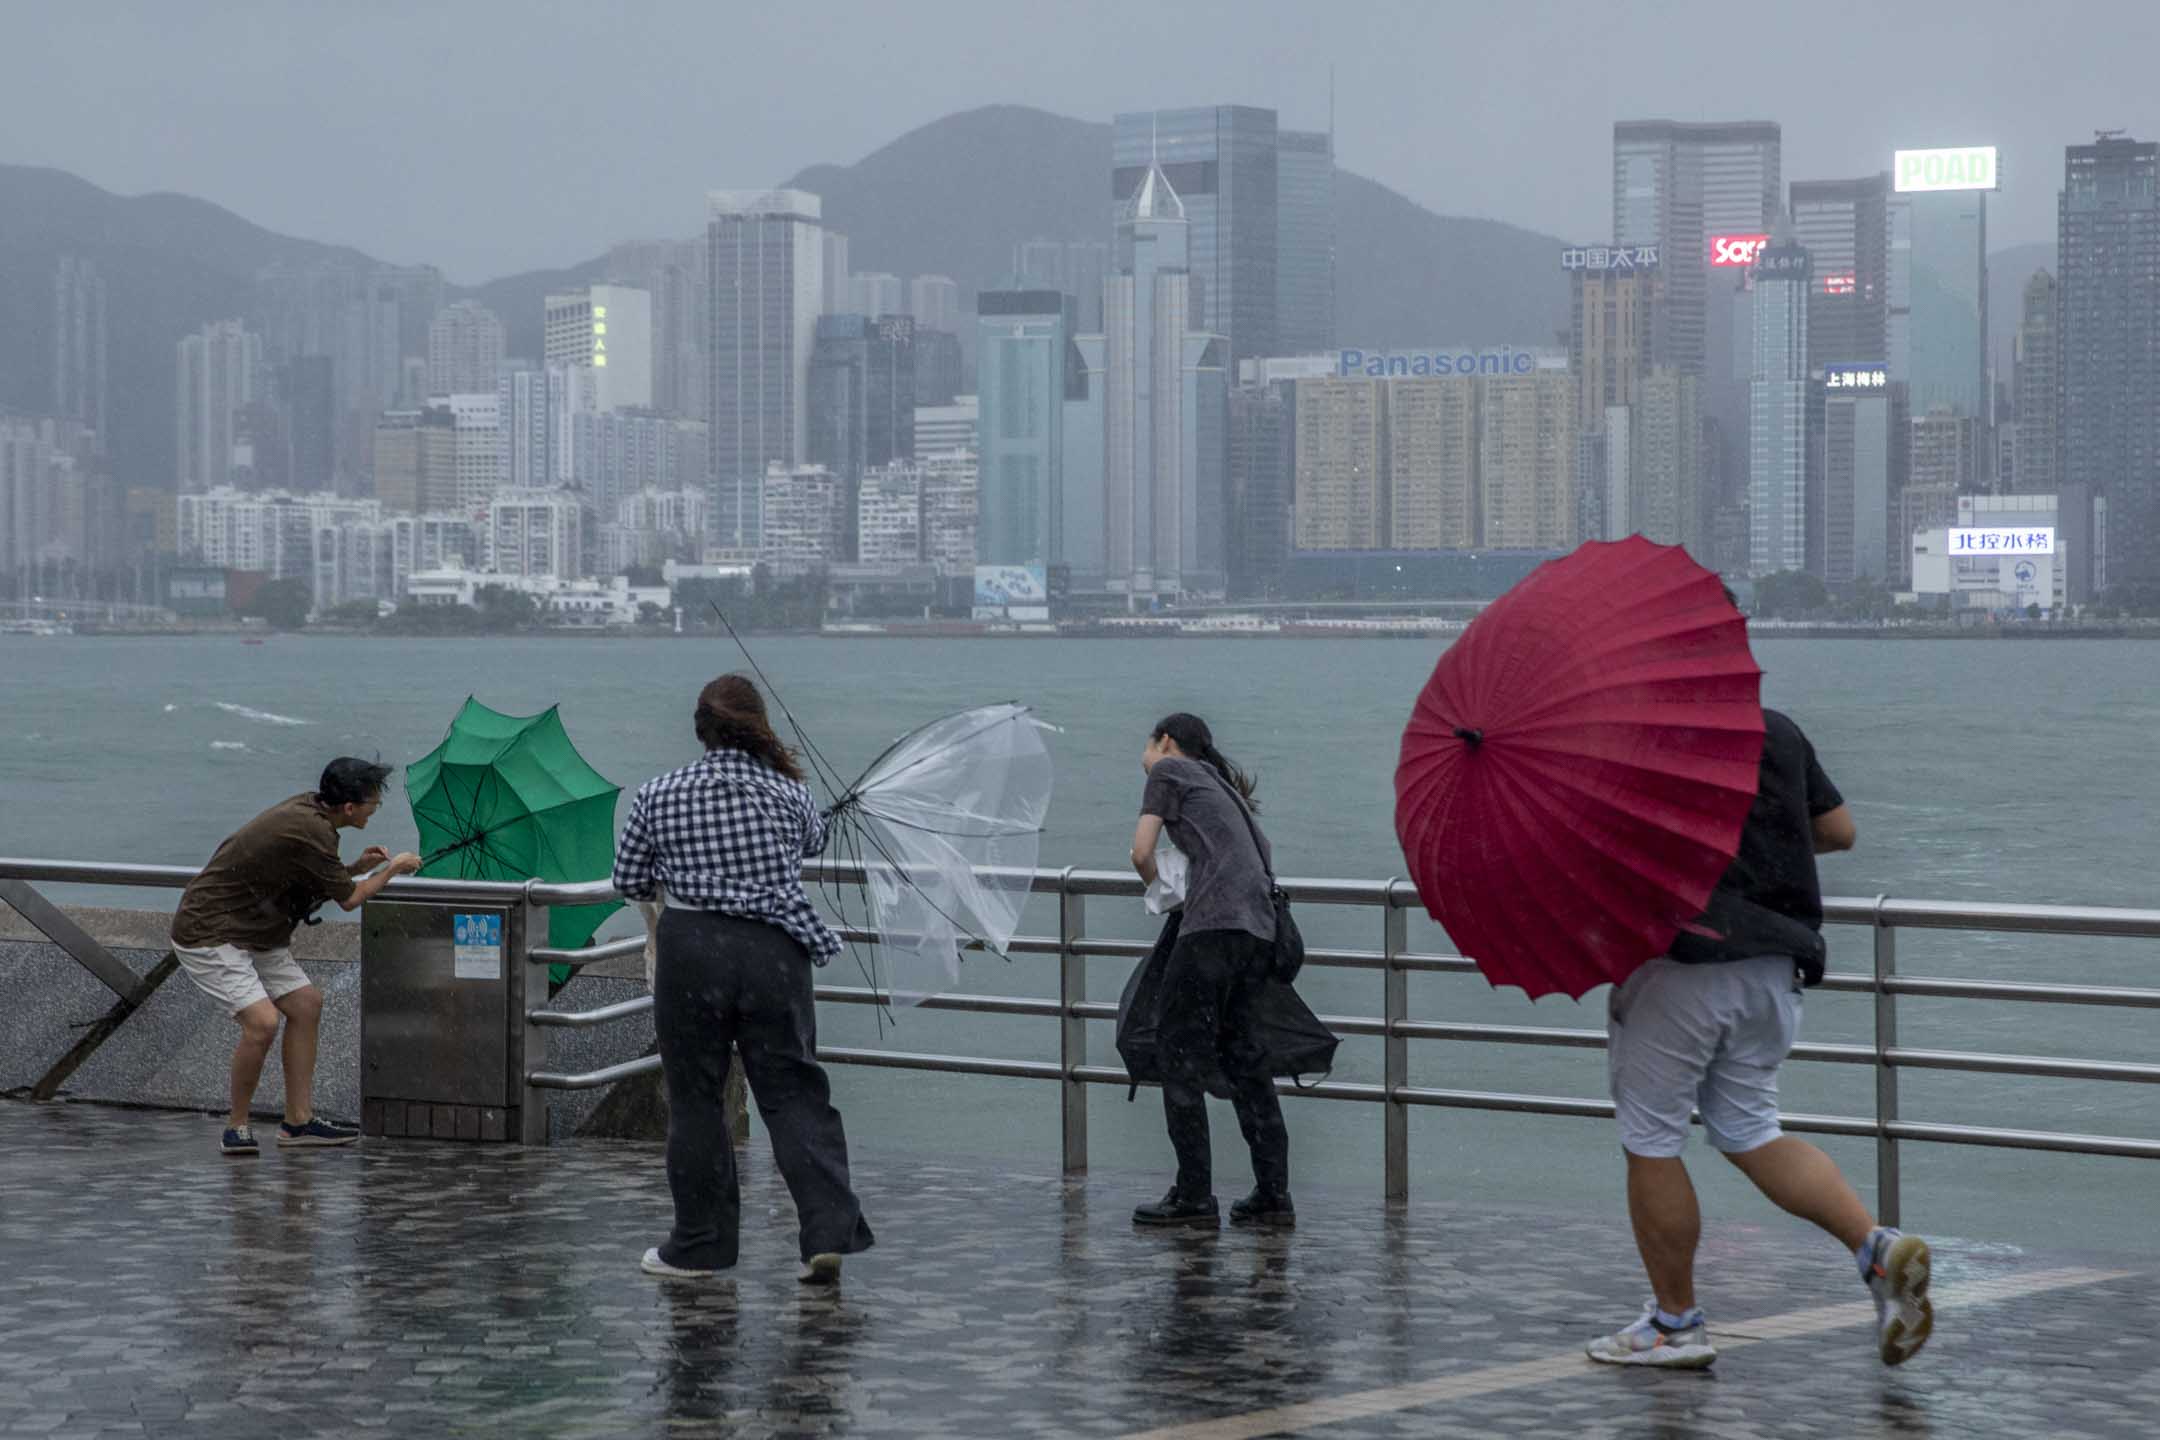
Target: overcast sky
(493, 137)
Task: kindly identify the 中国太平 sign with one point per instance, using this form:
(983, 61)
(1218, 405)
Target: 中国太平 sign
(1967, 167)
(1609, 257)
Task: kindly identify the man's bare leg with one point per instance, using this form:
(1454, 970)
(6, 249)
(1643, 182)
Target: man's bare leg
(258, 1029)
(1801, 1180)
(1668, 1224)
(303, 1026)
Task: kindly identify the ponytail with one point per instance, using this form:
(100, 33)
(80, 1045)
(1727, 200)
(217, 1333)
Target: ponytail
(1194, 738)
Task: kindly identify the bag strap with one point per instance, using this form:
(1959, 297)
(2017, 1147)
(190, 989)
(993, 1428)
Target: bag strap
(1252, 826)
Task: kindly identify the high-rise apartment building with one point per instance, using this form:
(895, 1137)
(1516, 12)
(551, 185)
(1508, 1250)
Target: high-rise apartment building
(1845, 227)
(1526, 461)
(620, 453)
(1261, 479)
(1778, 393)
(476, 420)
(608, 330)
(802, 525)
(1341, 479)
(940, 429)
(1947, 449)
(220, 375)
(1677, 185)
(1023, 358)
(79, 375)
(464, 349)
(875, 293)
(1165, 405)
(536, 534)
(416, 462)
(1432, 448)
(527, 402)
(1609, 337)
(2108, 251)
(1663, 445)
(862, 392)
(2036, 395)
(1082, 536)
(934, 303)
(1223, 163)
(672, 273)
(307, 399)
(767, 256)
(1304, 242)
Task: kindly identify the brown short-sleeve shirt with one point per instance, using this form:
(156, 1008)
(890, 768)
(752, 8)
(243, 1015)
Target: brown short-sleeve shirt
(266, 878)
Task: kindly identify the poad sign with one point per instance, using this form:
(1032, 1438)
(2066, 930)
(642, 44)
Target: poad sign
(1970, 167)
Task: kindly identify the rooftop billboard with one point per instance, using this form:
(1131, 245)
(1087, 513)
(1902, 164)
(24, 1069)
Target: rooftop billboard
(1968, 167)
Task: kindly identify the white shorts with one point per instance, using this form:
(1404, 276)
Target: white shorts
(1708, 1037)
(237, 978)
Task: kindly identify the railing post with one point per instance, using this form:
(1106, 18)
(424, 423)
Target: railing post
(529, 1042)
(1395, 1141)
(1072, 1028)
(1887, 1198)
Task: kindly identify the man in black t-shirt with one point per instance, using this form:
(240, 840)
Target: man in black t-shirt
(1705, 1029)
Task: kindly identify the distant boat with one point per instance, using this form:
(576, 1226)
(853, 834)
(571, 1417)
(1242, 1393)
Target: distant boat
(252, 640)
(43, 628)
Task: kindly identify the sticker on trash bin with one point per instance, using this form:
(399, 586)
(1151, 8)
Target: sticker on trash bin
(476, 951)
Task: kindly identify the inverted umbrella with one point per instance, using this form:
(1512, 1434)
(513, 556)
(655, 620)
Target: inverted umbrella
(1575, 775)
(508, 797)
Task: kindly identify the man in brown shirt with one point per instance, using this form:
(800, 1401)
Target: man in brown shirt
(233, 935)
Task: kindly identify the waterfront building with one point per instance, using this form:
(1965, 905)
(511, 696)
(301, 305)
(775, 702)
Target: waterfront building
(536, 533)
(1855, 484)
(2108, 248)
(766, 255)
(802, 526)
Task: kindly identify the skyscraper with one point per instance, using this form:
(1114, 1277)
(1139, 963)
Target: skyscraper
(2036, 388)
(1675, 186)
(862, 400)
(1223, 162)
(767, 256)
(934, 302)
(2108, 246)
(1261, 473)
(1855, 484)
(672, 272)
(1664, 454)
(79, 391)
(464, 349)
(1939, 319)
(1845, 226)
(607, 330)
(1432, 449)
(1778, 412)
(1166, 404)
(1081, 532)
(1304, 242)
(307, 394)
(1073, 267)
(1021, 363)
(1609, 337)
(220, 376)
(875, 293)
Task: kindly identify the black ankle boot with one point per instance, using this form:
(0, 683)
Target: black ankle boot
(1176, 1209)
(1264, 1208)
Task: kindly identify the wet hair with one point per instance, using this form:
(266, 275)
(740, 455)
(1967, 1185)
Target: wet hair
(1195, 739)
(730, 715)
(350, 781)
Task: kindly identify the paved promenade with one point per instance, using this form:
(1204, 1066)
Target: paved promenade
(149, 1287)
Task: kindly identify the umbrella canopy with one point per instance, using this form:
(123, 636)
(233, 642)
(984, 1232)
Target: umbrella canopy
(508, 797)
(1575, 775)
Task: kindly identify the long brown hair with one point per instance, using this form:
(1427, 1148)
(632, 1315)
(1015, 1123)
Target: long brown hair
(730, 715)
(1195, 739)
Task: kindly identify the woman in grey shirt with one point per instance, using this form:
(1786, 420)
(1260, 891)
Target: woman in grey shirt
(1218, 966)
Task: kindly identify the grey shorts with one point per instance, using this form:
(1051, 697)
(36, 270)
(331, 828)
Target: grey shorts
(1682, 1038)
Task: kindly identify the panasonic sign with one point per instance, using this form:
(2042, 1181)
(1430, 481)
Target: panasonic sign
(1970, 167)
(1381, 364)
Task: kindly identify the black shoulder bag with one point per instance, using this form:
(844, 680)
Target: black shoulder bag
(1289, 957)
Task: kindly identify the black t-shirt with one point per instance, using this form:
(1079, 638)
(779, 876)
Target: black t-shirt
(1770, 899)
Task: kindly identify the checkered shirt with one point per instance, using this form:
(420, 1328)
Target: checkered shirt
(728, 834)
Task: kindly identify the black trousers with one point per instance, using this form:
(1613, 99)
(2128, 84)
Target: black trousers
(1208, 1044)
(720, 982)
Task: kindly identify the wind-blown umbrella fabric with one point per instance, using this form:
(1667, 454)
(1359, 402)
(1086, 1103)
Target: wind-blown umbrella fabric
(947, 825)
(508, 797)
(1573, 780)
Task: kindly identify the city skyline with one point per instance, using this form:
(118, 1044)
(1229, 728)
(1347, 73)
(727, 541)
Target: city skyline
(1390, 95)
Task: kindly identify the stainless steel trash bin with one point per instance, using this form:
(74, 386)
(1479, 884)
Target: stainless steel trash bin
(442, 1005)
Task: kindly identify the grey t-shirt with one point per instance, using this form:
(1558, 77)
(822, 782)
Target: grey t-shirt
(1227, 886)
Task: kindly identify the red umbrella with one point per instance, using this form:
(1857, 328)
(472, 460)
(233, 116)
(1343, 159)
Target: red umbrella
(1574, 778)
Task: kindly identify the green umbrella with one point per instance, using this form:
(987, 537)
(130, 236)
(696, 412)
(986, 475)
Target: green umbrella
(508, 797)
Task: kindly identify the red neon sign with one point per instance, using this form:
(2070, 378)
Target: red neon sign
(1736, 249)
(1845, 284)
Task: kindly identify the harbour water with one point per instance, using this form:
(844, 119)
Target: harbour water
(2003, 771)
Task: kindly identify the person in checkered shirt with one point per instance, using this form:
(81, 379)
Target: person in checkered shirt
(724, 840)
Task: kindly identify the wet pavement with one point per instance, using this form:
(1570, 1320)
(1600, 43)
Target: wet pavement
(150, 1287)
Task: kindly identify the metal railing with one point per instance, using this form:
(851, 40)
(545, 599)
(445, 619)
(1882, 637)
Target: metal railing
(1396, 962)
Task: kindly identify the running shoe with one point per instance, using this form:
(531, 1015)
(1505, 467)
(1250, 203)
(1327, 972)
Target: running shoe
(1897, 1276)
(1646, 1342)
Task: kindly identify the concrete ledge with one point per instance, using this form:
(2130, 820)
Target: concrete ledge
(151, 929)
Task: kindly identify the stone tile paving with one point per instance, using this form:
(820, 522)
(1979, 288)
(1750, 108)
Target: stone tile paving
(151, 1288)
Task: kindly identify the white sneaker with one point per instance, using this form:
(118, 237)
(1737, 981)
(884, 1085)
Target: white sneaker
(652, 1264)
(1648, 1343)
(1897, 1276)
(820, 1270)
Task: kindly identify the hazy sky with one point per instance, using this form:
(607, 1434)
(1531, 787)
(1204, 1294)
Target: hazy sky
(493, 137)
